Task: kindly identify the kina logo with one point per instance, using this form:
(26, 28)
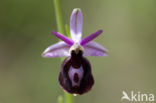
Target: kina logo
(137, 97)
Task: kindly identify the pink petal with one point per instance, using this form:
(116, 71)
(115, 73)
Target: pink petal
(90, 37)
(94, 49)
(60, 49)
(63, 38)
(76, 21)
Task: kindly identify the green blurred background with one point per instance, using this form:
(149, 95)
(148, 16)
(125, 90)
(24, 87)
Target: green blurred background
(129, 34)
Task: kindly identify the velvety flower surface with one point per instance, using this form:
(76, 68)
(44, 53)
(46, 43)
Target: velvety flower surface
(75, 74)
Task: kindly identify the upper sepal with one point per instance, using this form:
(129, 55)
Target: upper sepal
(76, 21)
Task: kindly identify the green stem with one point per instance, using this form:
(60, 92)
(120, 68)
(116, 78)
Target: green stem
(60, 27)
(68, 98)
(60, 99)
(59, 20)
(67, 29)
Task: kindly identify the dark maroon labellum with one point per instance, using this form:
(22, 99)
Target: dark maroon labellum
(76, 76)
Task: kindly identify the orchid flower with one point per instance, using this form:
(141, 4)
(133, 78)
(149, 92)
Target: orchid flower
(75, 75)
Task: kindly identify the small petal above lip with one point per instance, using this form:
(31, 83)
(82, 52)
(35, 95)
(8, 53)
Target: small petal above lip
(85, 40)
(64, 38)
(76, 21)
